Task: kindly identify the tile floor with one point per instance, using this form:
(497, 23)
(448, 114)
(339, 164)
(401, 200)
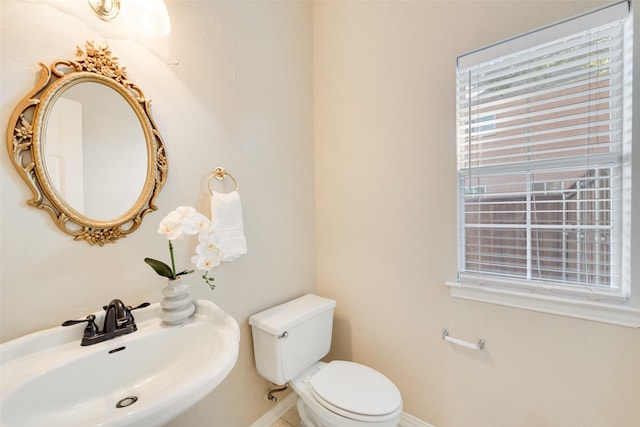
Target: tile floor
(289, 419)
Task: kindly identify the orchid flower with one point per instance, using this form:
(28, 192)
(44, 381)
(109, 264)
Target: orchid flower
(186, 220)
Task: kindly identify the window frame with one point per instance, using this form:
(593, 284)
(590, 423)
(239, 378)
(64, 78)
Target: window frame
(608, 305)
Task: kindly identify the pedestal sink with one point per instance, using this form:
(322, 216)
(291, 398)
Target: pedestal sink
(145, 378)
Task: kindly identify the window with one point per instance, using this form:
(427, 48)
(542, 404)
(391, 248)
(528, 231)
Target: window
(544, 142)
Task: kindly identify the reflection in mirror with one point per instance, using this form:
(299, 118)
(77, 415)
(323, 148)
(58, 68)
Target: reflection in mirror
(91, 136)
(86, 145)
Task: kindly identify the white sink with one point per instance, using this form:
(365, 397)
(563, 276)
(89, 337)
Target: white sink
(156, 373)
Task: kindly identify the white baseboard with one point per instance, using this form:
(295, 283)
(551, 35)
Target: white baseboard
(406, 420)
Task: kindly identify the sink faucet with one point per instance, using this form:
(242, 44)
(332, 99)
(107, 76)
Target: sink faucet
(118, 320)
(117, 316)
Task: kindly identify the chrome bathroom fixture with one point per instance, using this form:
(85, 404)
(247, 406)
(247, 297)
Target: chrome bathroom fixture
(479, 346)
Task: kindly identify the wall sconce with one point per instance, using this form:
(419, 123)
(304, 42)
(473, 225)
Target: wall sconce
(105, 9)
(141, 17)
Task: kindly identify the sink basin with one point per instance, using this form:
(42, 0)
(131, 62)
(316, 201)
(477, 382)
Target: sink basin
(145, 378)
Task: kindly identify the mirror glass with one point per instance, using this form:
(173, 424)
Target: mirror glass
(95, 150)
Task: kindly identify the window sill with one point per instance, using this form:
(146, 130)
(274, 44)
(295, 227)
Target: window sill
(613, 313)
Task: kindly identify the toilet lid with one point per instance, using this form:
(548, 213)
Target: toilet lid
(355, 391)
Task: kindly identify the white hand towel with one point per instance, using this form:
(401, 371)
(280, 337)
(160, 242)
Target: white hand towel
(226, 216)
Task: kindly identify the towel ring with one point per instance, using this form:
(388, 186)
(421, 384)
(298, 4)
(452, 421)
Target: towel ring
(219, 174)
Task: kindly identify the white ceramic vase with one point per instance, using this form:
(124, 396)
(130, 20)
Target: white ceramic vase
(176, 305)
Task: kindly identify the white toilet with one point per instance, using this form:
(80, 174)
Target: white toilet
(288, 342)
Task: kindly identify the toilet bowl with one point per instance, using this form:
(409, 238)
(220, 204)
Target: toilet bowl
(346, 394)
(288, 342)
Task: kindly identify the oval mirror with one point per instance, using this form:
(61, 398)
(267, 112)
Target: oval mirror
(85, 143)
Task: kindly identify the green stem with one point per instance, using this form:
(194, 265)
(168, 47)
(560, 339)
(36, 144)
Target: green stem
(173, 262)
(209, 280)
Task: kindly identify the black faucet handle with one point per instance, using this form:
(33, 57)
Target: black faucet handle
(91, 330)
(143, 305)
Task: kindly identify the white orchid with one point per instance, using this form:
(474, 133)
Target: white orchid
(186, 220)
(208, 241)
(206, 261)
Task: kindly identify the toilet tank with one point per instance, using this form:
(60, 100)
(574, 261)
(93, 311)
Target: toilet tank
(292, 336)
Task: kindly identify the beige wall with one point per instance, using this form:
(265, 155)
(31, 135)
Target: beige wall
(231, 86)
(239, 84)
(384, 78)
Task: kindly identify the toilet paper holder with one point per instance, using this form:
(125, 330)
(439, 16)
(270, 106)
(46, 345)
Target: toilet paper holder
(479, 346)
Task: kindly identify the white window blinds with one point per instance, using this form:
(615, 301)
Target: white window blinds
(541, 152)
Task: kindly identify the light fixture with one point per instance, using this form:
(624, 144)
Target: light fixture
(105, 9)
(139, 17)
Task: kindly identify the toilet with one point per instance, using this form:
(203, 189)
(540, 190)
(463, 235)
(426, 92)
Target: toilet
(288, 342)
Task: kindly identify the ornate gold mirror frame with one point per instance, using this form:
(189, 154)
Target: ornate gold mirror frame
(26, 144)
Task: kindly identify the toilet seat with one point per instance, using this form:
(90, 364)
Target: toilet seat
(356, 391)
